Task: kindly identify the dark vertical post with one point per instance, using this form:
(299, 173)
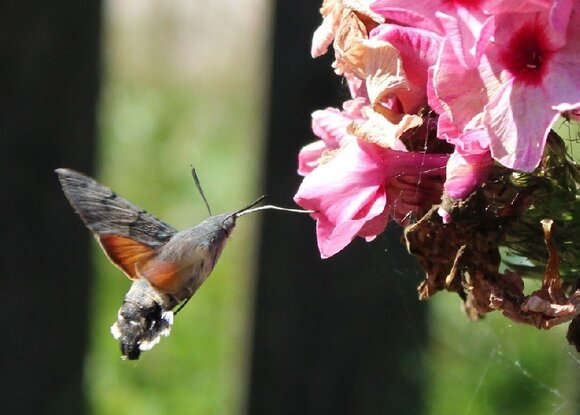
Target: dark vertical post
(339, 336)
(48, 90)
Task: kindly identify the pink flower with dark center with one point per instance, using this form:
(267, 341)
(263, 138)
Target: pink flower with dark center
(528, 71)
(531, 68)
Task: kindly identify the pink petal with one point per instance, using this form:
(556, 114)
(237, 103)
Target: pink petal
(563, 80)
(466, 171)
(323, 36)
(331, 126)
(334, 12)
(419, 13)
(468, 32)
(468, 141)
(378, 64)
(559, 19)
(333, 238)
(432, 98)
(518, 122)
(459, 90)
(375, 226)
(511, 6)
(418, 51)
(309, 157)
(331, 11)
(445, 216)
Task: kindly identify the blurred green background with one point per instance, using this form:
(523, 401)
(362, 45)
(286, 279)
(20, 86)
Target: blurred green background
(186, 88)
(177, 93)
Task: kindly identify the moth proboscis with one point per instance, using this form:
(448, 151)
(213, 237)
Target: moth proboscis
(166, 266)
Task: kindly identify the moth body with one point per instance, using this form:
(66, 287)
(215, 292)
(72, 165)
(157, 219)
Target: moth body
(184, 263)
(166, 266)
(143, 318)
(168, 279)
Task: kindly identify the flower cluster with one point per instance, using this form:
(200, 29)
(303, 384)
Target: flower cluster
(452, 102)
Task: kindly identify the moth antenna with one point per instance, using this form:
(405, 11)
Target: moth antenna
(198, 185)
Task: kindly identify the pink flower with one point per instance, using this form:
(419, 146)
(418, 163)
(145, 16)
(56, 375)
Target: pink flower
(349, 191)
(527, 72)
(530, 68)
(497, 72)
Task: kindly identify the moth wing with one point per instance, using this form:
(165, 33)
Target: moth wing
(105, 213)
(127, 234)
(126, 253)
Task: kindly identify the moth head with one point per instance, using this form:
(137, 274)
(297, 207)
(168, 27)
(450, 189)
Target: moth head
(229, 223)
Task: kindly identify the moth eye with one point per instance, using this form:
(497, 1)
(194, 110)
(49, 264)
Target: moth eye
(228, 225)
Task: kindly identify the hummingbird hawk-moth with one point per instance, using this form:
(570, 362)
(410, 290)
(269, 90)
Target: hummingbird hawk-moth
(166, 266)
